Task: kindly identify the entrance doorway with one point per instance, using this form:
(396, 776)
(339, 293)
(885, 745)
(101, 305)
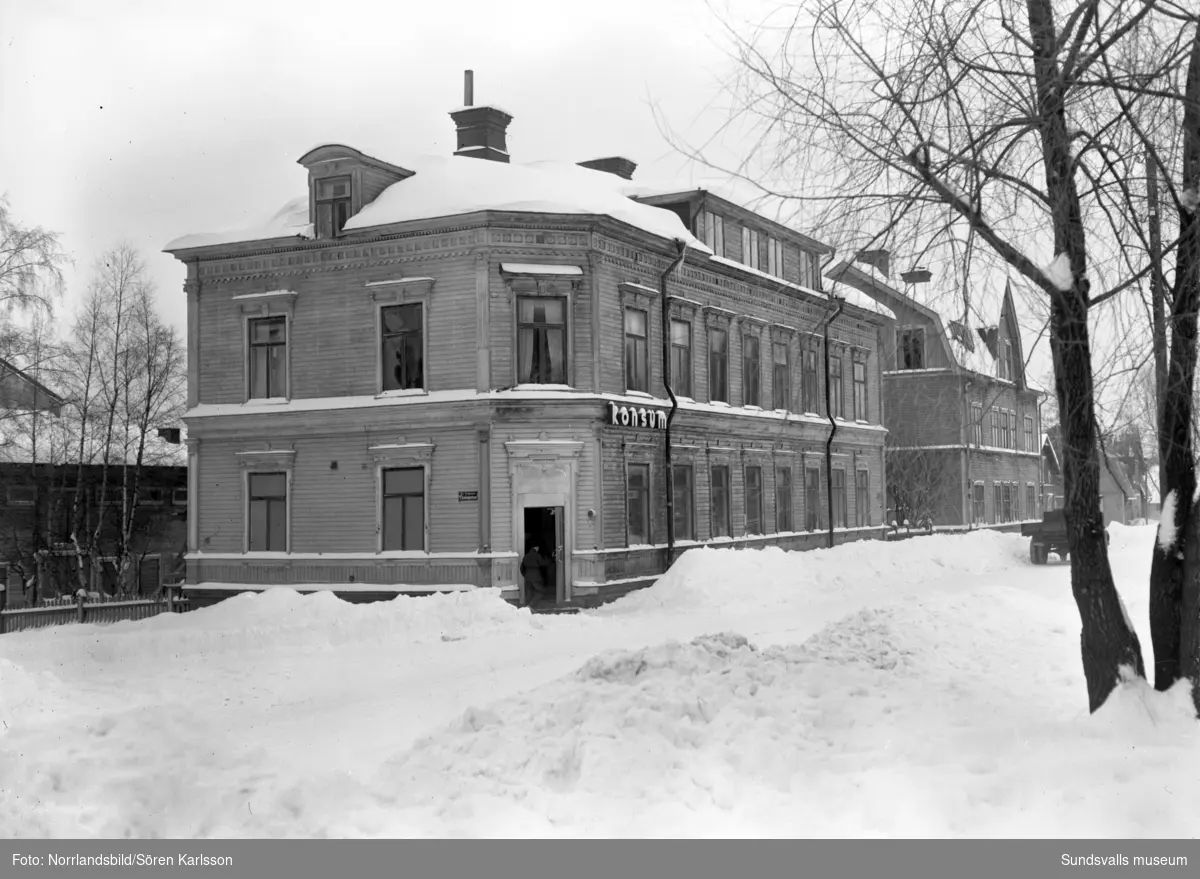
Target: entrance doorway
(541, 564)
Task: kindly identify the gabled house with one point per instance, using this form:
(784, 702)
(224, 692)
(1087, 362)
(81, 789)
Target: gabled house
(1121, 499)
(963, 421)
(463, 371)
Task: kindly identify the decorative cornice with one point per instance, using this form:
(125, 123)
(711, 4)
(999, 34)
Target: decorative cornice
(260, 459)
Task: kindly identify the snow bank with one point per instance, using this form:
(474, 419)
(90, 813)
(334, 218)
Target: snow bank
(723, 578)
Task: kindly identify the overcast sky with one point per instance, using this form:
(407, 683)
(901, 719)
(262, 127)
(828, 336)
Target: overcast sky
(142, 120)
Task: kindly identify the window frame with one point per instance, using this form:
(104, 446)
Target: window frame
(840, 499)
(251, 346)
(860, 390)
(758, 512)
(688, 486)
(645, 503)
(714, 232)
(751, 370)
(837, 389)
(727, 506)
(712, 359)
(10, 501)
(810, 380)
(977, 423)
(862, 497)
(417, 302)
(566, 337)
(627, 337)
(997, 503)
(1031, 500)
(781, 391)
(978, 503)
(175, 497)
(336, 230)
(813, 514)
(751, 240)
(904, 337)
(785, 509)
(1029, 441)
(675, 349)
(382, 495)
(774, 256)
(286, 473)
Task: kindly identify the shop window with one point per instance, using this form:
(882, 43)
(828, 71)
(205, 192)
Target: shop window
(637, 502)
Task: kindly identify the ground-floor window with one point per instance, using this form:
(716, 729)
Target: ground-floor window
(1030, 501)
(1006, 502)
(978, 513)
(684, 499)
(754, 500)
(720, 501)
(637, 501)
(812, 499)
(997, 502)
(862, 498)
(783, 499)
(838, 489)
(404, 508)
(268, 512)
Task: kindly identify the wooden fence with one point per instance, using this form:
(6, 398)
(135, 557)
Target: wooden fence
(84, 610)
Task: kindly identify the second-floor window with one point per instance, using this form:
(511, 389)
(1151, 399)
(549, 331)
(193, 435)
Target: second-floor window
(837, 406)
(860, 391)
(636, 364)
(811, 392)
(751, 372)
(780, 386)
(268, 357)
(1029, 435)
(681, 358)
(714, 233)
(333, 206)
(1012, 429)
(718, 366)
(403, 349)
(977, 423)
(750, 241)
(910, 348)
(541, 341)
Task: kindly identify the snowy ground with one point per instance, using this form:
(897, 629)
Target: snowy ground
(930, 687)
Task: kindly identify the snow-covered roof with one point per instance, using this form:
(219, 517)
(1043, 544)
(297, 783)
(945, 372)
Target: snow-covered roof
(290, 221)
(979, 359)
(448, 185)
(445, 186)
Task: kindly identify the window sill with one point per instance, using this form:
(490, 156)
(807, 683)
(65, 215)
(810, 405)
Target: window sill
(402, 392)
(724, 403)
(266, 401)
(754, 407)
(631, 393)
(533, 386)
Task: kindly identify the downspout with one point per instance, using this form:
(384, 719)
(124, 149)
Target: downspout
(827, 321)
(681, 247)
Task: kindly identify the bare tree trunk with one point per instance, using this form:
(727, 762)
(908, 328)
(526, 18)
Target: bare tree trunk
(1108, 642)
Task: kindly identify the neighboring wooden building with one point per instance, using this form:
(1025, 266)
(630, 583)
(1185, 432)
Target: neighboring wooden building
(1121, 500)
(37, 558)
(963, 421)
(413, 375)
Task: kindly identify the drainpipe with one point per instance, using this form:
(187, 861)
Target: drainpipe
(826, 321)
(681, 247)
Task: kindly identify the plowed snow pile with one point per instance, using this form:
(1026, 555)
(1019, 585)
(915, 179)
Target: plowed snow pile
(926, 688)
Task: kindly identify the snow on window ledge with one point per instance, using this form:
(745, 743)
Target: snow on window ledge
(643, 394)
(402, 392)
(266, 401)
(534, 386)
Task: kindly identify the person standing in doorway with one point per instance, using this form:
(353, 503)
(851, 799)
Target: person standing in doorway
(533, 569)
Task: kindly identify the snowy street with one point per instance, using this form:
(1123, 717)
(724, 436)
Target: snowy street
(930, 687)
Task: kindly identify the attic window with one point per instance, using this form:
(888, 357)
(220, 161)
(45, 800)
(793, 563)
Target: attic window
(333, 206)
(1006, 362)
(910, 348)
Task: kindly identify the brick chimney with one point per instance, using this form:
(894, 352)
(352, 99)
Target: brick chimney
(618, 165)
(880, 259)
(481, 130)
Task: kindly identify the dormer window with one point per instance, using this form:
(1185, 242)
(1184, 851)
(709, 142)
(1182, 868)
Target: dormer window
(333, 206)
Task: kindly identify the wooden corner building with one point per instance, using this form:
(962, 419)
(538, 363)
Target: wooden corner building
(412, 375)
